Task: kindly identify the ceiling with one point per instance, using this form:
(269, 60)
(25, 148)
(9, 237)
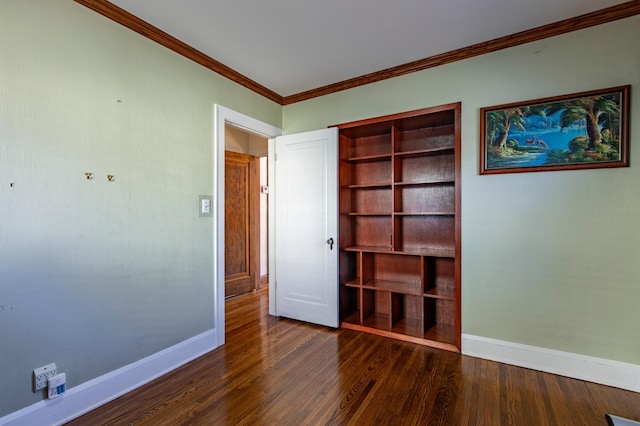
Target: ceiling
(293, 46)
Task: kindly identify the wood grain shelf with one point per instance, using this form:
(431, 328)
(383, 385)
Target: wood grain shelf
(353, 319)
(422, 152)
(434, 251)
(440, 294)
(393, 286)
(400, 226)
(371, 249)
(424, 213)
(369, 185)
(426, 182)
(410, 327)
(378, 321)
(368, 158)
(441, 333)
(353, 283)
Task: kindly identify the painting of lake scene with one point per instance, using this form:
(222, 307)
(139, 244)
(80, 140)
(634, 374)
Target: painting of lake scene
(577, 131)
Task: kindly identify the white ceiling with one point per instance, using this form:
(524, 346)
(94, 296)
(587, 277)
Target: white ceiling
(291, 46)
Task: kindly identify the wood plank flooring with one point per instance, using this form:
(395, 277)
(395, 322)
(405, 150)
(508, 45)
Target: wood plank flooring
(282, 372)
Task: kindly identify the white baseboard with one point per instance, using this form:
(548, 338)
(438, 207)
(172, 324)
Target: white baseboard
(94, 393)
(598, 370)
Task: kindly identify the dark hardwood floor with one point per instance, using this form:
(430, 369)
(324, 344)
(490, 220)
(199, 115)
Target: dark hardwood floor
(282, 372)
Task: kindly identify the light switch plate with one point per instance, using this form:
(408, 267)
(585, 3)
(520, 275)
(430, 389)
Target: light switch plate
(205, 206)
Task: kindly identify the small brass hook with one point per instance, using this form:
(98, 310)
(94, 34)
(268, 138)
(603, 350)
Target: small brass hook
(110, 178)
(88, 175)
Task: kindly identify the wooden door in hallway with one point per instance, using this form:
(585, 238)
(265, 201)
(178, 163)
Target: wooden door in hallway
(240, 223)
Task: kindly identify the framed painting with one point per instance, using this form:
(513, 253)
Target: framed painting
(577, 131)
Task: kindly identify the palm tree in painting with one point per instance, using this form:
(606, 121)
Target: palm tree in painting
(591, 110)
(499, 124)
(611, 121)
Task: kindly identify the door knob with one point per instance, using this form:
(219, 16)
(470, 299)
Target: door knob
(330, 242)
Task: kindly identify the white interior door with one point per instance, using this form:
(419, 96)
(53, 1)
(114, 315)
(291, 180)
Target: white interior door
(305, 205)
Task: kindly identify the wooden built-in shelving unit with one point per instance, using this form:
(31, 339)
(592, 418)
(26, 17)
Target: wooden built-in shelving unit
(400, 226)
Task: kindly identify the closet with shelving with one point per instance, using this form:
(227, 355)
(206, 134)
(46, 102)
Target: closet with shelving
(399, 229)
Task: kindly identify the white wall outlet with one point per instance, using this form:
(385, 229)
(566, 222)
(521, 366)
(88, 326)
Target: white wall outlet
(57, 385)
(42, 374)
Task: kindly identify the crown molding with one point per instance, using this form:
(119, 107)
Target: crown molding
(603, 16)
(598, 17)
(147, 30)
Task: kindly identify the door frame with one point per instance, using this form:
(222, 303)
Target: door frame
(223, 116)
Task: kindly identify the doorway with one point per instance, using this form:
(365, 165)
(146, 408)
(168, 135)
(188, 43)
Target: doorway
(226, 118)
(246, 249)
(310, 291)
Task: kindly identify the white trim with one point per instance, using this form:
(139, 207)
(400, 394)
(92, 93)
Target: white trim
(598, 370)
(96, 392)
(271, 224)
(222, 117)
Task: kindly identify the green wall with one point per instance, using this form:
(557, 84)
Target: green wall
(548, 259)
(96, 275)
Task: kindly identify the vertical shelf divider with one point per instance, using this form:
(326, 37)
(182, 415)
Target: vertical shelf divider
(423, 286)
(396, 232)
